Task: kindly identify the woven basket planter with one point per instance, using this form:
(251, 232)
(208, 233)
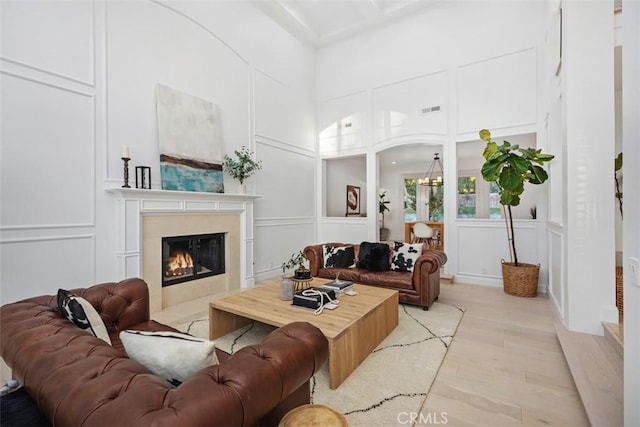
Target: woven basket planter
(521, 281)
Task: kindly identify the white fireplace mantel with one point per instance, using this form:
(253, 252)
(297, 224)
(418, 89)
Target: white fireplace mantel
(134, 203)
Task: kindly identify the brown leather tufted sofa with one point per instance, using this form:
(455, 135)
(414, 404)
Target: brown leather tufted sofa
(421, 287)
(77, 379)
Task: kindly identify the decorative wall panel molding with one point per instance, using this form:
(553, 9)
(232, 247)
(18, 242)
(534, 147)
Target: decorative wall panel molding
(42, 185)
(41, 265)
(557, 274)
(411, 138)
(416, 105)
(342, 123)
(345, 230)
(274, 244)
(478, 253)
(161, 44)
(51, 37)
(289, 191)
(283, 221)
(198, 23)
(290, 121)
(284, 145)
(497, 92)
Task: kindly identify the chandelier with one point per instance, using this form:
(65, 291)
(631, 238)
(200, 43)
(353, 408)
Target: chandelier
(434, 175)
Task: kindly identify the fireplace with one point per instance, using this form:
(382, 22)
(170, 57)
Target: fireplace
(186, 258)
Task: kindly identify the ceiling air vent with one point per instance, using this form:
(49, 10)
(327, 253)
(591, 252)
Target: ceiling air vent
(431, 109)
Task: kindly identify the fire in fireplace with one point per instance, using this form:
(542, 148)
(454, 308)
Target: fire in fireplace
(186, 258)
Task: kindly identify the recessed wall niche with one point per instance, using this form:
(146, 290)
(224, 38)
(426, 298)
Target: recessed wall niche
(338, 174)
(478, 199)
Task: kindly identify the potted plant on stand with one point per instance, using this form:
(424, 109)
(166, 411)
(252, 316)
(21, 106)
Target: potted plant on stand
(301, 273)
(510, 166)
(382, 207)
(243, 167)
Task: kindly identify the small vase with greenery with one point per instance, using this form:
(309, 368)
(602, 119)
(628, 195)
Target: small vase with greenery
(297, 259)
(244, 166)
(510, 166)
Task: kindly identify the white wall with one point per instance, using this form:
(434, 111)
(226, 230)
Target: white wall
(587, 235)
(631, 147)
(78, 81)
(50, 99)
(338, 174)
(477, 61)
(619, 149)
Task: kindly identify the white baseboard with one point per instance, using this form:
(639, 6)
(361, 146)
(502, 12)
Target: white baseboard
(477, 280)
(469, 279)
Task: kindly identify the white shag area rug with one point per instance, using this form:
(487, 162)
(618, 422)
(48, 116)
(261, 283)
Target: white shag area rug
(394, 379)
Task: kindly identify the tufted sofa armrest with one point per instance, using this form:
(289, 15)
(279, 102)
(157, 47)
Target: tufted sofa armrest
(121, 305)
(426, 276)
(315, 257)
(248, 384)
(429, 262)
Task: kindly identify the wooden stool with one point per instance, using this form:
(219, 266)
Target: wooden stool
(313, 415)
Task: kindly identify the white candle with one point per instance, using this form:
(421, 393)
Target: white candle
(125, 152)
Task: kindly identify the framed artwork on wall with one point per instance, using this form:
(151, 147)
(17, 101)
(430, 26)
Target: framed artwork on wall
(190, 142)
(353, 200)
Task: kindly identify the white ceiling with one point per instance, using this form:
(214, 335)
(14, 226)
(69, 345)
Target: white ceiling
(320, 22)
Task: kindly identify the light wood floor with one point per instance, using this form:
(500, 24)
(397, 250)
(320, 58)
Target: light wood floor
(505, 366)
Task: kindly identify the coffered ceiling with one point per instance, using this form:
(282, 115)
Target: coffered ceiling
(320, 22)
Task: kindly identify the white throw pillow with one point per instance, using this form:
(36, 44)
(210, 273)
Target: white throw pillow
(405, 256)
(80, 311)
(170, 355)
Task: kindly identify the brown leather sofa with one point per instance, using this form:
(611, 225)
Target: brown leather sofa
(420, 287)
(77, 379)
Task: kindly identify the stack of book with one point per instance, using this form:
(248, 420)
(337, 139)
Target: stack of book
(339, 286)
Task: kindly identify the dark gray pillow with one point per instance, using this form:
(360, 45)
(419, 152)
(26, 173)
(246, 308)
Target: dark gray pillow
(373, 256)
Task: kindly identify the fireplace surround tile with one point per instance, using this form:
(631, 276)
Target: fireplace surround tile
(155, 227)
(145, 216)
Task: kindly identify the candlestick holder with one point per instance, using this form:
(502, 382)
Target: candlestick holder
(126, 172)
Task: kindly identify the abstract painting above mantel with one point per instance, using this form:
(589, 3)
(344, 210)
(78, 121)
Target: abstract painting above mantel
(190, 141)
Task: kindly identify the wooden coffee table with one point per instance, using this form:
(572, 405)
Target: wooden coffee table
(353, 329)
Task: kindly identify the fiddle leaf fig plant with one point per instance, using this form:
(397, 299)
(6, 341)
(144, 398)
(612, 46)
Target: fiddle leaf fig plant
(617, 166)
(510, 166)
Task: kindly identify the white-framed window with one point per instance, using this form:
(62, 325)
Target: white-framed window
(421, 202)
(467, 196)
